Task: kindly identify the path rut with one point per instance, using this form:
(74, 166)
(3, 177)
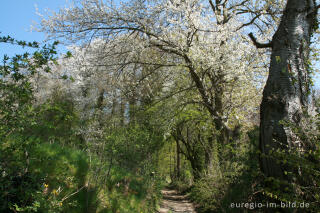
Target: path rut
(174, 202)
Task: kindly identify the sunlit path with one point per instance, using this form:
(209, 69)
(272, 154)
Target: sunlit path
(175, 202)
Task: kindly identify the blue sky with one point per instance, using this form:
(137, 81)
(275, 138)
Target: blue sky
(17, 16)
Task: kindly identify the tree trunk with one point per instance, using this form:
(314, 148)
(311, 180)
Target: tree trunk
(197, 167)
(100, 100)
(285, 95)
(132, 99)
(122, 110)
(209, 161)
(178, 159)
(132, 109)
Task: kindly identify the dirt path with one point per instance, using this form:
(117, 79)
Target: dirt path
(173, 202)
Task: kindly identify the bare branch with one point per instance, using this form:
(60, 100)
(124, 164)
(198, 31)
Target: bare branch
(259, 45)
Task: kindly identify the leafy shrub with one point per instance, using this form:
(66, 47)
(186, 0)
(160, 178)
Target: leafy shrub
(236, 181)
(301, 182)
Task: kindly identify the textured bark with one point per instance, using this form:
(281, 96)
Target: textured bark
(178, 159)
(132, 99)
(100, 100)
(209, 161)
(197, 167)
(286, 92)
(132, 108)
(122, 109)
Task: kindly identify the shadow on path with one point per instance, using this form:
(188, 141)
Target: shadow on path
(173, 202)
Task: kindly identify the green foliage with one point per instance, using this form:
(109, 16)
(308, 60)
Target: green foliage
(64, 174)
(181, 186)
(9, 39)
(126, 191)
(16, 116)
(57, 121)
(208, 192)
(300, 185)
(301, 179)
(235, 180)
(134, 146)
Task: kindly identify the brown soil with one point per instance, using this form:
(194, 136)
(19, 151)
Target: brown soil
(173, 202)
